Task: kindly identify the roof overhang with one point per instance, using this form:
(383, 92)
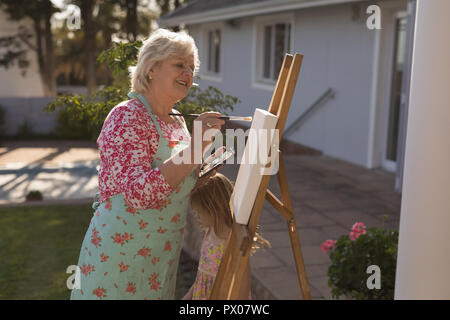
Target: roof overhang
(252, 9)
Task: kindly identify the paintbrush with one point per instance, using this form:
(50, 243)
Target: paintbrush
(230, 118)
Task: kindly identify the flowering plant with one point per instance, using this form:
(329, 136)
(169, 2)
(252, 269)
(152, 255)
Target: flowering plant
(352, 254)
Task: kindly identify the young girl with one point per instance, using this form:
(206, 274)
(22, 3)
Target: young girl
(210, 204)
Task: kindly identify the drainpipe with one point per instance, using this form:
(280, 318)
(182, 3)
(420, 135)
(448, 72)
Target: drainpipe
(423, 261)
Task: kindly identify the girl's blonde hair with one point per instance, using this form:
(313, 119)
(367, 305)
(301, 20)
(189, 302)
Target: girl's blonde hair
(212, 201)
(162, 44)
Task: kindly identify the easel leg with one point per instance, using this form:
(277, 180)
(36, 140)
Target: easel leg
(298, 257)
(293, 233)
(239, 274)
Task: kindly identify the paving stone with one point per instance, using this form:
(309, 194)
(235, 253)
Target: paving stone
(326, 204)
(259, 290)
(311, 236)
(267, 217)
(264, 258)
(307, 236)
(334, 232)
(276, 225)
(370, 203)
(374, 186)
(311, 255)
(311, 219)
(321, 284)
(392, 214)
(347, 218)
(317, 270)
(283, 283)
(278, 239)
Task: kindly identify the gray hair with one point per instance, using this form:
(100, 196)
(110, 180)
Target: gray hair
(162, 44)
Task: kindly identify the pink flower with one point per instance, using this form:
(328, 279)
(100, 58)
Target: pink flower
(358, 226)
(328, 245)
(357, 229)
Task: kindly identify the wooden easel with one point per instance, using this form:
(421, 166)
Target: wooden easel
(236, 256)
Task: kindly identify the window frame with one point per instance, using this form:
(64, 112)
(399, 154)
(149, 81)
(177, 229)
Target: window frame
(259, 25)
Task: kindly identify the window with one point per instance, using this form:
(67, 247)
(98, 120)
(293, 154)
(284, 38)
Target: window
(276, 43)
(211, 51)
(273, 39)
(214, 40)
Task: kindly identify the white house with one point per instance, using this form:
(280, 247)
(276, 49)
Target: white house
(22, 97)
(13, 83)
(352, 76)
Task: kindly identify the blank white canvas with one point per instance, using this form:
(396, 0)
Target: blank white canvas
(250, 172)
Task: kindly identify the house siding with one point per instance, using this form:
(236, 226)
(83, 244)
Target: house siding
(13, 83)
(339, 53)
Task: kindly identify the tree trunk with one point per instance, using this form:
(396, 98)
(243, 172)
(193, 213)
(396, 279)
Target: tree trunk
(164, 6)
(49, 52)
(132, 20)
(40, 56)
(89, 40)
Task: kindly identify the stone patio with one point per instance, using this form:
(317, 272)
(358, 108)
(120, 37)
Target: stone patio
(328, 196)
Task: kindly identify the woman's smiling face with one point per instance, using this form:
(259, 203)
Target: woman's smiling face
(173, 77)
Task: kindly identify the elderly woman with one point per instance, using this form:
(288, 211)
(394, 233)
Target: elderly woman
(132, 246)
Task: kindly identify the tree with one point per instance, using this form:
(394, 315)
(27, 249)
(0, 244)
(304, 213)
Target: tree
(18, 45)
(111, 20)
(90, 30)
(131, 20)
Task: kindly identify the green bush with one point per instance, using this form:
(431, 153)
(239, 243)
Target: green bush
(347, 274)
(25, 130)
(34, 195)
(81, 117)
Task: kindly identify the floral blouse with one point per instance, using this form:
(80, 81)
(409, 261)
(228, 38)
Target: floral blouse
(127, 146)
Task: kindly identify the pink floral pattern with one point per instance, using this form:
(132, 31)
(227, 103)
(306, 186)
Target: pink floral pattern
(211, 255)
(127, 145)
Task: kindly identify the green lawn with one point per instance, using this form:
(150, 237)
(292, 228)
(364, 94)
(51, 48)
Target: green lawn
(38, 243)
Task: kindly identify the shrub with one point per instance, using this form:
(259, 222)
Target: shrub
(25, 130)
(352, 254)
(34, 195)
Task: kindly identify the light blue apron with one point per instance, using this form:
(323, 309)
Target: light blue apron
(134, 254)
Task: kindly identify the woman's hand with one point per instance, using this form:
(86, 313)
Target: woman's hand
(208, 121)
(175, 172)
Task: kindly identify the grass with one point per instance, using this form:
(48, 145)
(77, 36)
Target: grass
(38, 243)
